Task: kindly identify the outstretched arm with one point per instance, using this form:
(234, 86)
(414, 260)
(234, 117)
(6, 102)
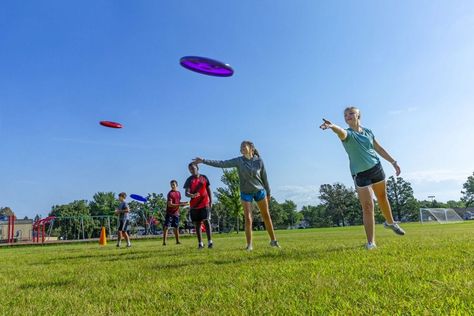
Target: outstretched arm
(385, 155)
(231, 163)
(340, 132)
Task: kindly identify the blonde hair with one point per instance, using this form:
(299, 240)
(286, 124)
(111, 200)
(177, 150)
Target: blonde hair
(252, 147)
(350, 108)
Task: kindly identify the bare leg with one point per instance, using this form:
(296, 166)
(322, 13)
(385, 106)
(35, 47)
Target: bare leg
(380, 191)
(365, 199)
(119, 237)
(207, 224)
(176, 234)
(127, 238)
(248, 221)
(198, 231)
(165, 234)
(264, 211)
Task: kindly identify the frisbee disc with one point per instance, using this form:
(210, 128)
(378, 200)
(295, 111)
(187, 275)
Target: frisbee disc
(111, 124)
(206, 66)
(138, 197)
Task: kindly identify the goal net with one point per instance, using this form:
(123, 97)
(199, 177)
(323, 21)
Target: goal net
(439, 215)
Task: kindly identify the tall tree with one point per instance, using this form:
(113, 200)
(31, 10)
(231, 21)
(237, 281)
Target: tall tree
(277, 213)
(341, 204)
(468, 191)
(402, 201)
(316, 216)
(292, 215)
(229, 196)
(103, 204)
(73, 219)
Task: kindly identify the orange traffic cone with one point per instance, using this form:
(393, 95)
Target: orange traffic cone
(103, 237)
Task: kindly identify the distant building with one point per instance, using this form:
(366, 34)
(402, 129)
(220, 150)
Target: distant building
(22, 230)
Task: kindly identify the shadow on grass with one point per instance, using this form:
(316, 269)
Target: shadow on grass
(43, 285)
(113, 255)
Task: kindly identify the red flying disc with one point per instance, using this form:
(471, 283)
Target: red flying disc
(111, 124)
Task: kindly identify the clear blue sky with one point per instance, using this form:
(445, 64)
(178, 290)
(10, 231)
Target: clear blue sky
(66, 65)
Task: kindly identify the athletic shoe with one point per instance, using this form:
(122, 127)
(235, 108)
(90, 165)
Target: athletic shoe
(275, 244)
(249, 248)
(396, 229)
(178, 243)
(370, 246)
(129, 245)
(164, 244)
(210, 245)
(118, 246)
(200, 247)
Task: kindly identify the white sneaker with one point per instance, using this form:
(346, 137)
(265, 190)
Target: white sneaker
(396, 229)
(249, 248)
(370, 246)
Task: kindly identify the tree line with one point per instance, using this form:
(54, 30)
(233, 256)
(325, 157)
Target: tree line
(339, 207)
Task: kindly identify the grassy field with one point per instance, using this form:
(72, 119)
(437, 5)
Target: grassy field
(318, 271)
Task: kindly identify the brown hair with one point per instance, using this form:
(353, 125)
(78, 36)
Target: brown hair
(252, 147)
(123, 194)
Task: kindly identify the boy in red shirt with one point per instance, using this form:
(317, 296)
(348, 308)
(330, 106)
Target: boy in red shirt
(197, 188)
(172, 212)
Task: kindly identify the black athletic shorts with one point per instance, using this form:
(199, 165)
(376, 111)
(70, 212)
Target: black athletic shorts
(123, 225)
(369, 177)
(200, 214)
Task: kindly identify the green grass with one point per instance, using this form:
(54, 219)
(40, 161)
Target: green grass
(318, 271)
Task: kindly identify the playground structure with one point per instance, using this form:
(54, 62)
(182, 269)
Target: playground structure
(39, 228)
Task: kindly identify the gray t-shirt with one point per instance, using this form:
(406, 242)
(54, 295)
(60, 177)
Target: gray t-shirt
(122, 207)
(252, 174)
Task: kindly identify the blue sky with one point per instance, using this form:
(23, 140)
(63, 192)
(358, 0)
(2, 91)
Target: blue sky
(66, 65)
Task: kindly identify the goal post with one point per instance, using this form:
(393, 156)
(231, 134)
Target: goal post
(439, 215)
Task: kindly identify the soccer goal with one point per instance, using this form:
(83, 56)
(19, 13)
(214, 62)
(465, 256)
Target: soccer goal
(439, 215)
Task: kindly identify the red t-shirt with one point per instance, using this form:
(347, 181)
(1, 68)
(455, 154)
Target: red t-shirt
(195, 185)
(175, 198)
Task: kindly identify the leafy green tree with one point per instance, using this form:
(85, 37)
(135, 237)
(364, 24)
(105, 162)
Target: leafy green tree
(468, 191)
(6, 211)
(455, 204)
(278, 214)
(229, 196)
(292, 215)
(316, 216)
(402, 201)
(156, 204)
(103, 204)
(341, 204)
(73, 219)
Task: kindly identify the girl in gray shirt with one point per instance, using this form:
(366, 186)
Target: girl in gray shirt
(253, 186)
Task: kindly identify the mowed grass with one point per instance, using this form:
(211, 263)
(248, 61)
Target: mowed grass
(317, 271)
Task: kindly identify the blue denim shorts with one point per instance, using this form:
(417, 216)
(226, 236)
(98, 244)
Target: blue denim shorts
(257, 196)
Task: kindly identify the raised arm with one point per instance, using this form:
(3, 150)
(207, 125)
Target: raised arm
(340, 132)
(231, 163)
(385, 155)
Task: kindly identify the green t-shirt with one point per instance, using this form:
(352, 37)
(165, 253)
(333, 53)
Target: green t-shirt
(360, 149)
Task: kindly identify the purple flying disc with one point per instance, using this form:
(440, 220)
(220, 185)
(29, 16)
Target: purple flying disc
(138, 197)
(206, 66)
